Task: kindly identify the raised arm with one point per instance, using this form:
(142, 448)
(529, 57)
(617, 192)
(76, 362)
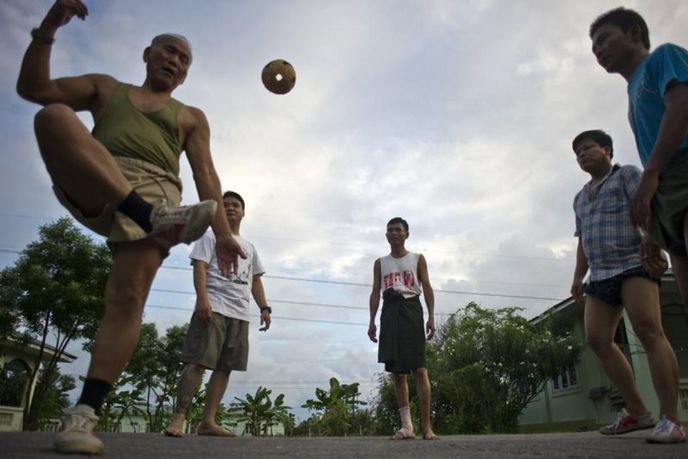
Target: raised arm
(197, 146)
(34, 82)
(428, 295)
(374, 302)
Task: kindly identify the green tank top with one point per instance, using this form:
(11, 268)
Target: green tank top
(129, 132)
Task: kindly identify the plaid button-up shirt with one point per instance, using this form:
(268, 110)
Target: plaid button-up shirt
(610, 242)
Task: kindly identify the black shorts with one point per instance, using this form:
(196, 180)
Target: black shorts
(670, 204)
(609, 290)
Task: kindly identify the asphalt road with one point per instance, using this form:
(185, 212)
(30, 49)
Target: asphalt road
(150, 446)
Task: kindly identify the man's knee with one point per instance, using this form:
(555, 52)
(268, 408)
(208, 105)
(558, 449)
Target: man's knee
(420, 373)
(648, 331)
(399, 378)
(131, 278)
(51, 117)
(195, 368)
(128, 293)
(599, 342)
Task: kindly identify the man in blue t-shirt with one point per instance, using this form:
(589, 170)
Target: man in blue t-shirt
(658, 113)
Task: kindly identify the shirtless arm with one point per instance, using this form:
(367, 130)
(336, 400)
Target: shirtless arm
(428, 295)
(34, 82)
(374, 301)
(197, 146)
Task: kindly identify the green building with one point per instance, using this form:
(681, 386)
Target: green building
(583, 397)
(18, 357)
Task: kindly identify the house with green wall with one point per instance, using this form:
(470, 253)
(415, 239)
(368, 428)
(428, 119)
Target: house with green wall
(18, 356)
(583, 397)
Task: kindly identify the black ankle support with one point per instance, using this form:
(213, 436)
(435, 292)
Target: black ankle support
(94, 392)
(137, 209)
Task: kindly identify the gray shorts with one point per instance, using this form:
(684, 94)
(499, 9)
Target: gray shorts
(220, 343)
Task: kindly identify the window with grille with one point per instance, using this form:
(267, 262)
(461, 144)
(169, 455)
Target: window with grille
(567, 379)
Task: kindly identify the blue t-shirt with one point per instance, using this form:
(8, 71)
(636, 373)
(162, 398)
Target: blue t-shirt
(646, 88)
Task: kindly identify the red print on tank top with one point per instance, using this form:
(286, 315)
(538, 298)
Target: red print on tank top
(393, 279)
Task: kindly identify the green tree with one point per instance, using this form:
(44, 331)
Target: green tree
(54, 293)
(123, 401)
(486, 365)
(56, 396)
(194, 415)
(385, 406)
(336, 407)
(259, 412)
(154, 370)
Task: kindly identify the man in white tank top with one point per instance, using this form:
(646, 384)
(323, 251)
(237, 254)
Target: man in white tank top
(403, 276)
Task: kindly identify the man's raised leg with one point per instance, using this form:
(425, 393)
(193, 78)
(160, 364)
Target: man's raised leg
(89, 176)
(77, 163)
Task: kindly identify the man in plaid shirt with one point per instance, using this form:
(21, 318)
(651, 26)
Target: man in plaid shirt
(609, 246)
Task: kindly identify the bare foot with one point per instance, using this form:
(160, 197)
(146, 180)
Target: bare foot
(403, 434)
(214, 431)
(430, 436)
(171, 431)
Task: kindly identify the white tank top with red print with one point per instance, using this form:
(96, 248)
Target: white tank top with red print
(401, 274)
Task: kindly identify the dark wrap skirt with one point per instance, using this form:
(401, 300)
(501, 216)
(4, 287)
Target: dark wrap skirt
(402, 333)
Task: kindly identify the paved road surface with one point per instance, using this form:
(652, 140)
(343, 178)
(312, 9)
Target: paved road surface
(151, 446)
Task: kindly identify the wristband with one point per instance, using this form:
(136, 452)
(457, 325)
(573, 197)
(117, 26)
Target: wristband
(38, 35)
(266, 308)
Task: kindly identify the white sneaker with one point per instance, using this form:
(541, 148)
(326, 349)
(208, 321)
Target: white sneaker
(667, 432)
(76, 432)
(181, 224)
(626, 423)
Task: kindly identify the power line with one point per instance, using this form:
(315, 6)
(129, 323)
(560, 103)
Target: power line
(361, 284)
(256, 316)
(299, 303)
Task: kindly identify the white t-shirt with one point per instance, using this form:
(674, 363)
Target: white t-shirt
(228, 296)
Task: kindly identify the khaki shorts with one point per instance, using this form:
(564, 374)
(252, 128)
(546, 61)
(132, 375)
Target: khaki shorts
(152, 183)
(220, 343)
(670, 204)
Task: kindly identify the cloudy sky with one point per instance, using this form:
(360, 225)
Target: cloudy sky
(455, 114)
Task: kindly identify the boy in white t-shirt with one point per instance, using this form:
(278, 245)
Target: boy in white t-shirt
(217, 337)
